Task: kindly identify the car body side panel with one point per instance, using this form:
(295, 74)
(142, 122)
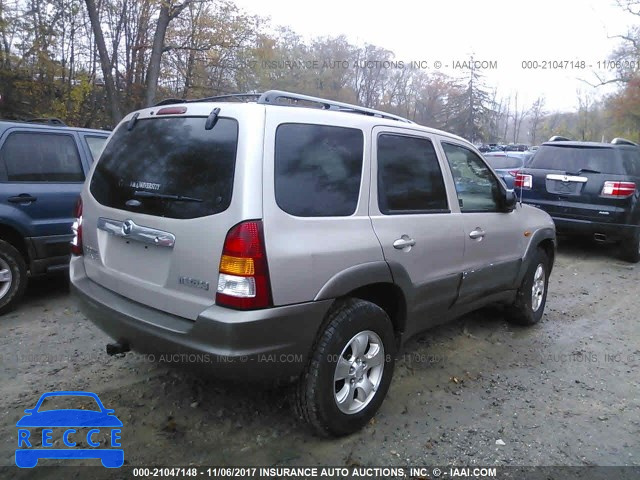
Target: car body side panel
(304, 253)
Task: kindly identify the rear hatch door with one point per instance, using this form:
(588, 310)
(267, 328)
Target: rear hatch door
(161, 201)
(568, 182)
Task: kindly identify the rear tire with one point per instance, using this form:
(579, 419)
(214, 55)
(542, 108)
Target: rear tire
(13, 277)
(631, 248)
(532, 294)
(350, 370)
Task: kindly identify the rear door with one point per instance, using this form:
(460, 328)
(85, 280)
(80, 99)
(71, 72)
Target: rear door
(41, 172)
(568, 181)
(161, 200)
(493, 239)
(422, 240)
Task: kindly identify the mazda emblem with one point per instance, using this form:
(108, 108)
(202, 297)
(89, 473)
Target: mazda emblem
(127, 227)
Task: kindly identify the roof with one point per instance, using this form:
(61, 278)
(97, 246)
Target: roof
(5, 124)
(574, 143)
(273, 99)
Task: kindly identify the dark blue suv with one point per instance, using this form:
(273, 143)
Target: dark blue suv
(42, 169)
(588, 188)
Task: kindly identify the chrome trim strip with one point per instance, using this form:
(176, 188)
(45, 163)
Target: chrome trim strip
(566, 178)
(129, 230)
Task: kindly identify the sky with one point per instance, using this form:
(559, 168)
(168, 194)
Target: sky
(505, 32)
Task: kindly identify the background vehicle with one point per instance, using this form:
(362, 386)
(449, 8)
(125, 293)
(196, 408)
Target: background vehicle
(361, 237)
(42, 169)
(589, 189)
(507, 164)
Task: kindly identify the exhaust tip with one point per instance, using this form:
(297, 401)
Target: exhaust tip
(117, 349)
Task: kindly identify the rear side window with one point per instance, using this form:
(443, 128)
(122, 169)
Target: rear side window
(169, 167)
(573, 159)
(409, 176)
(96, 144)
(318, 169)
(40, 157)
(631, 161)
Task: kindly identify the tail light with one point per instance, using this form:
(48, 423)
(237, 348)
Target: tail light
(523, 181)
(76, 228)
(618, 189)
(243, 280)
(513, 173)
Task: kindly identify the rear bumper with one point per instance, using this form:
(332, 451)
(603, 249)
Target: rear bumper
(612, 231)
(258, 345)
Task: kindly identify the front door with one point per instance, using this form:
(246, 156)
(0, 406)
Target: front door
(494, 239)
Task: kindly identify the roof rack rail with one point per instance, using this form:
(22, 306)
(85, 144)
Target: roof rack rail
(559, 138)
(231, 96)
(623, 141)
(273, 97)
(47, 121)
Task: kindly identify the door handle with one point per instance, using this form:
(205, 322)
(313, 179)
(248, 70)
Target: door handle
(404, 242)
(22, 198)
(477, 234)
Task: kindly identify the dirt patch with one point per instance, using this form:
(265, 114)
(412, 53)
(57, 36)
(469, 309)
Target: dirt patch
(477, 391)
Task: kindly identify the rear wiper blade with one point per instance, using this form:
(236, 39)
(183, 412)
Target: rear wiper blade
(583, 170)
(166, 196)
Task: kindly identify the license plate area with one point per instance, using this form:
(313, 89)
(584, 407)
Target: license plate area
(565, 184)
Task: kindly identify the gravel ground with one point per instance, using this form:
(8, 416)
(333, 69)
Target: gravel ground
(477, 391)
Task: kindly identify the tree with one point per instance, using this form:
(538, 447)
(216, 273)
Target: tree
(106, 62)
(168, 11)
(537, 112)
(474, 107)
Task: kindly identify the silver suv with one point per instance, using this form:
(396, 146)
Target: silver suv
(269, 240)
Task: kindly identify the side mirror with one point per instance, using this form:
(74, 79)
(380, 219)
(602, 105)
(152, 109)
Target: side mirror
(509, 200)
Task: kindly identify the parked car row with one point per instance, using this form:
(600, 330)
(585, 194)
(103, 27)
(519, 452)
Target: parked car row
(498, 147)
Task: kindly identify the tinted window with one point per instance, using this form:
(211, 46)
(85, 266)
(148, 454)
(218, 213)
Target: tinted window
(409, 176)
(503, 162)
(96, 144)
(476, 186)
(318, 169)
(572, 159)
(168, 157)
(40, 157)
(631, 161)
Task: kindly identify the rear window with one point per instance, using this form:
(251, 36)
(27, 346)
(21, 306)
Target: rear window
(503, 162)
(318, 169)
(573, 159)
(170, 167)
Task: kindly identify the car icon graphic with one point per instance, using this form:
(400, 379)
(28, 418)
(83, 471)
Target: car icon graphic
(65, 421)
